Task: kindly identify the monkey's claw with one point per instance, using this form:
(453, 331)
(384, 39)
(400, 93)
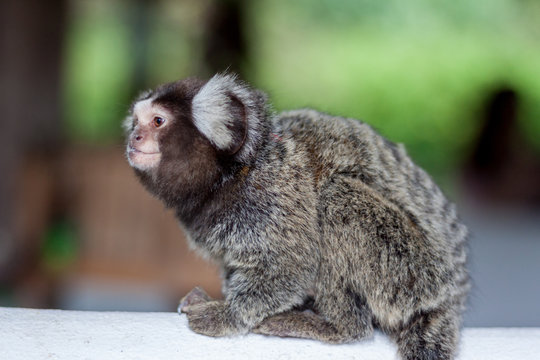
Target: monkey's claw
(195, 296)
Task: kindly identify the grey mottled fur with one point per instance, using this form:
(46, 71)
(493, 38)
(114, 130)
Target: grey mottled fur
(324, 214)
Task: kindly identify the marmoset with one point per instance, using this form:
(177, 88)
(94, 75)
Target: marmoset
(321, 227)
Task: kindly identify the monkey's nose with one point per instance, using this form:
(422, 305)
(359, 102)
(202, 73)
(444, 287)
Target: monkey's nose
(138, 137)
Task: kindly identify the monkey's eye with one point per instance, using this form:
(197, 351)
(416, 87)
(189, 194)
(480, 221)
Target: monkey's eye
(158, 121)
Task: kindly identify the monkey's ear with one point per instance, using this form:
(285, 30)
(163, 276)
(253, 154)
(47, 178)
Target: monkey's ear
(220, 112)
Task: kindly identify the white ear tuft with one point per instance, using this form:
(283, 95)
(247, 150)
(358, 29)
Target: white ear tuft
(127, 124)
(231, 115)
(211, 109)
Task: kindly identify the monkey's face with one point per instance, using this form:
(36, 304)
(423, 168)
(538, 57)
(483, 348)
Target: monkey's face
(159, 128)
(184, 135)
(164, 146)
(148, 122)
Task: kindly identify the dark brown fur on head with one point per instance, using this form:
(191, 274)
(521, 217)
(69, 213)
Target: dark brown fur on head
(191, 164)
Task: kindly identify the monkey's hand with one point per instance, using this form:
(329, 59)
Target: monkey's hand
(211, 318)
(195, 296)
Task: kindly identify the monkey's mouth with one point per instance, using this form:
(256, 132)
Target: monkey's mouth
(142, 160)
(135, 150)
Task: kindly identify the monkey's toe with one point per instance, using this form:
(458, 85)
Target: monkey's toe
(195, 296)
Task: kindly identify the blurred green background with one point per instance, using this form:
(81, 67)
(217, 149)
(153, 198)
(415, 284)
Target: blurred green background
(458, 82)
(419, 71)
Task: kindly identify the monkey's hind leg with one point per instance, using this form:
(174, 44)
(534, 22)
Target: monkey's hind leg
(300, 324)
(340, 318)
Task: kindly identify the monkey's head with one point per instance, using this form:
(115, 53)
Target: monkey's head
(186, 135)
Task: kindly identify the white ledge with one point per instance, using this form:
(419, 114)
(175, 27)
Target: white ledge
(55, 334)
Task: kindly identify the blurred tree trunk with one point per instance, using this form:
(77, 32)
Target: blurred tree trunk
(30, 100)
(141, 16)
(503, 168)
(225, 36)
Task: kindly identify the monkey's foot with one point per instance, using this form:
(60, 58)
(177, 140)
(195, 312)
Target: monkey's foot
(195, 296)
(210, 318)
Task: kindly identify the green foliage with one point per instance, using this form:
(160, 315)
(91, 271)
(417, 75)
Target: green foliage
(60, 246)
(97, 76)
(420, 72)
(105, 42)
(169, 55)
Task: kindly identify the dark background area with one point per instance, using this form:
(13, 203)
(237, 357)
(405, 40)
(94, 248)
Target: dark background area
(458, 83)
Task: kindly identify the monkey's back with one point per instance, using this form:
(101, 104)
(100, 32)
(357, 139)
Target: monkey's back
(344, 148)
(336, 145)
